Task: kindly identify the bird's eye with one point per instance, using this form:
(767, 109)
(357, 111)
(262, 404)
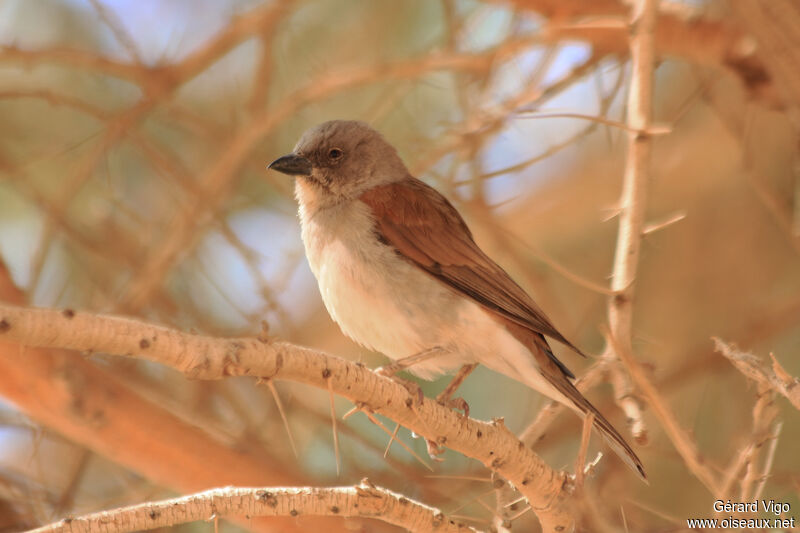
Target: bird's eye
(335, 153)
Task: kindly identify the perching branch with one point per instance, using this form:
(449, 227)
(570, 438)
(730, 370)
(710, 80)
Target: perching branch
(94, 408)
(365, 500)
(202, 357)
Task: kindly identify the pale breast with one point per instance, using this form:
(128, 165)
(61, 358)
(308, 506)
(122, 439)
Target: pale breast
(389, 305)
(376, 297)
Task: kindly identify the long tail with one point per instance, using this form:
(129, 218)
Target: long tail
(615, 441)
(557, 385)
(610, 435)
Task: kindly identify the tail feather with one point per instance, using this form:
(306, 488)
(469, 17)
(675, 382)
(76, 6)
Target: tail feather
(617, 443)
(603, 427)
(561, 388)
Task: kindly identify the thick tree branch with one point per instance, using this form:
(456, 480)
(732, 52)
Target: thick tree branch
(364, 500)
(633, 202)
(631, 225)
(637, 173)
(94, 408)
(201, 357)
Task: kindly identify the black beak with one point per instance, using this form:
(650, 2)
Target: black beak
(292, 164)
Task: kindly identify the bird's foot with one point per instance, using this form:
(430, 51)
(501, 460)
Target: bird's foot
(434, 450)
(401, 364)
(455, 403)
(446, 396)
(413, 389)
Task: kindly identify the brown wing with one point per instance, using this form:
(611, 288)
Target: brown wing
(426, 229)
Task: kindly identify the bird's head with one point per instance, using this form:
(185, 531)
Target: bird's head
(341, 159)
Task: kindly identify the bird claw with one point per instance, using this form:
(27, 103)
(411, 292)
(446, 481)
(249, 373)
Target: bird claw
(434, 450)
(388, 371)
(446, 396)
(455, 403)
(413, 389)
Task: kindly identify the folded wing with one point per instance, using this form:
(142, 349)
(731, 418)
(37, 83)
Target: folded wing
(426, 229)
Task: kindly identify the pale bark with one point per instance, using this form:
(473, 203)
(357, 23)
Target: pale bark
(201, 357)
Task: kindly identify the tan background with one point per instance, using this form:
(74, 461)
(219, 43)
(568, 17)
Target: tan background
(133, 143)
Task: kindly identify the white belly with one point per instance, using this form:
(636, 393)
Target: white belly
(389, 305)
(372, 294)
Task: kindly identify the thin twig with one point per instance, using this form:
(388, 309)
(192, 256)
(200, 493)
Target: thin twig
(683, 443)
(380, 424)
(333, 423)
(279, 404)
(769, 460)
(362, 500)
(774, 376)
(116, 26)
(392, 437)
(652, 130)
(580, 461)
(652, 227)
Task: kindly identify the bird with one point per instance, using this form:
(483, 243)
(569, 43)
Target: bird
(400, 273)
